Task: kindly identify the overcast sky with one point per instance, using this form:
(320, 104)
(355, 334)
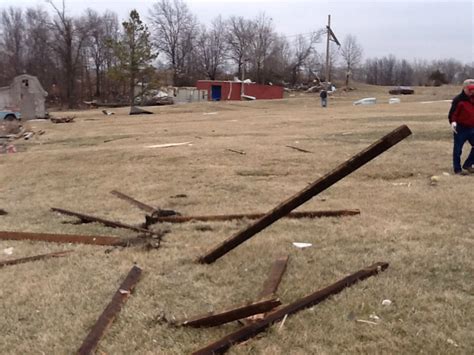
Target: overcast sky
(408, 29)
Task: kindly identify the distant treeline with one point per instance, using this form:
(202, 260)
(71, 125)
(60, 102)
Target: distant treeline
(93, 56)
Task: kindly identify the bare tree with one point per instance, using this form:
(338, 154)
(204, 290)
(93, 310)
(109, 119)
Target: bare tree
(304, 47)
(68, 39)
(351, 53)
(174, 31)
(240, 38)
(12, 40)
(261, 46)
(211, 48)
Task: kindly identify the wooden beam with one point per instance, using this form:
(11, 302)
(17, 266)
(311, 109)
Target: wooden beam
(274, 278)
(66, 238)
(34, 258)
(309, 192)
(108, 316)
(228, 217)
(235, 313)
(140, 205)
(105, 222)
(311, 300)
(298, 149)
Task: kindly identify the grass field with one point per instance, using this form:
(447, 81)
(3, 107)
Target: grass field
(424, 230)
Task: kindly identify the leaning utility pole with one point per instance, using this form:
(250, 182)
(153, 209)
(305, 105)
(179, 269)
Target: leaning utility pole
(331, 36)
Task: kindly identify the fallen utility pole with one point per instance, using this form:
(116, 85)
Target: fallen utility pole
(301, 197)
(113, 308)
(228, 217)
(313, 299)
(34, 258)
(140, 205)
(66, 238)
(113, 224)
(239, 312)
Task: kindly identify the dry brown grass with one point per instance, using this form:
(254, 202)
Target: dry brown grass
(424, 231)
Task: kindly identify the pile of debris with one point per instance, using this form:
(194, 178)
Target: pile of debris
(256, 315)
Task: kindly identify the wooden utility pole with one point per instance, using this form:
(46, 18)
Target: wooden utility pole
(327, 48)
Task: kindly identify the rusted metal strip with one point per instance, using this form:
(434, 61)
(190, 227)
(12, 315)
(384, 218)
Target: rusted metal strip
(239, 312)
(34, 258)
(103, 221)
(298, 149)
(113, 308)
(313, 299)
(228, 217)
(140, 205)
(301, 197)
(276, 273)
(66, 238)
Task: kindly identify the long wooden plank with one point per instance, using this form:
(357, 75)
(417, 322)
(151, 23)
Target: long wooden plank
(251, 330)
(113, 308)
(301, 197)
(274, 278)
(228, 217)
(140, 205)
(34, 258)
(103, 221)
(235, 313)
(66, 238)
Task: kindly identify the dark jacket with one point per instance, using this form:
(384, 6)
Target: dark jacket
(323, 94)
(461, 97)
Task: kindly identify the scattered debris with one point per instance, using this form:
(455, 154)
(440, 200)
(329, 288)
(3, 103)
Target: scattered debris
(235, 313)
(302, 245)
(108, 113)
(248, 97)
(229, 217)
(210, 113)
(394, 100)
(366, 101)
(140, 205)
(434, 180)
(34, 258)
(309, 192)
(169, 145)
(3, 212)
(8, 251)
(298, 149)
(365, 321)
(452, 342)
(67, 238)
(63, 119)
(179, 196)
(236, 151)
(88, 219)
(386, 303)
(446, 173)
(139, 111)
(433, 102)
(113, 308)
(313, 299)
(401, 90)
(282, 323)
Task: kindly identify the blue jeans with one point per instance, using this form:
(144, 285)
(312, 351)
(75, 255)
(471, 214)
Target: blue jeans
(324, 101)
(464, 134)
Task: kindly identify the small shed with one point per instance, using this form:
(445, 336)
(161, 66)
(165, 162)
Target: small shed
(26, 94)
(232, 90)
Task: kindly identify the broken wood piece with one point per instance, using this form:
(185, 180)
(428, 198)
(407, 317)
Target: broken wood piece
(34, 258)
(108, 316)
(66, 238)
(274, 278)
(134, 110)
(62, 120)
(239, 312)
(309, 192)
(313, 299)
(112, 224)
(3, 212)
(228, 217)
(236, 151)
(140, 205)
(298, 149)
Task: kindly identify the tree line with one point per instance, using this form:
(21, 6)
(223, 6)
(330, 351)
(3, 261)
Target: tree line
(93, 56)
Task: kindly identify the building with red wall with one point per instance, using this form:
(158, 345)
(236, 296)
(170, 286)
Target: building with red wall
(231, 90)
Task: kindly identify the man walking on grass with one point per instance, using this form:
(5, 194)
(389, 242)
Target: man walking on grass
(461, 118)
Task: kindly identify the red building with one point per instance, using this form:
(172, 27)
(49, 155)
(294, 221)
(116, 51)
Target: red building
(231, 90)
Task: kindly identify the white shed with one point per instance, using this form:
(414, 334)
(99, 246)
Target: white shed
(26, 94)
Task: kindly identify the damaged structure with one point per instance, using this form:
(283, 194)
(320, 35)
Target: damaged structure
(25, 94)
(237, 90)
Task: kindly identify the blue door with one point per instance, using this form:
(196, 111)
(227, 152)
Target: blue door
(216, 92)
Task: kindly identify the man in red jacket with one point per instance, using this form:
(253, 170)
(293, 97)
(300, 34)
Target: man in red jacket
(462, 124)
